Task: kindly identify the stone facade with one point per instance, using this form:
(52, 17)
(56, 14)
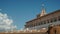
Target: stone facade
(44, 21)
(54, 29)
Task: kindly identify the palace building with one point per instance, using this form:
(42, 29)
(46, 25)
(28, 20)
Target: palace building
(43, 20)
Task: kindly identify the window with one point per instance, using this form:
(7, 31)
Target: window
(55, 19)
(31, 25)
(59, 18)
(36, 24)
(51, 20)
(55, 31)
(47, 21)
(44, 22)
(39, 23)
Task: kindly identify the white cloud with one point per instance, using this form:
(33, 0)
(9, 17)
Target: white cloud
(6, 22)
(4, 19)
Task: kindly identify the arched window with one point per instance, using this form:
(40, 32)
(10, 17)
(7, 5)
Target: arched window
(55, 31)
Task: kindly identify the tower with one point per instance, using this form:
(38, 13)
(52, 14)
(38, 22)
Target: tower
(43, 11)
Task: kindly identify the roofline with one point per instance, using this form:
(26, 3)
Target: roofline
(44, 15)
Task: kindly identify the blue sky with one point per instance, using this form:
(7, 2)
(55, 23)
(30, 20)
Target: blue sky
(22, 11)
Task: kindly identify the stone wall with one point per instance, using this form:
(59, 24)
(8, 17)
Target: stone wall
(23, 33)
(55, 30)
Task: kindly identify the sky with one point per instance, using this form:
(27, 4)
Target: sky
(21, 11)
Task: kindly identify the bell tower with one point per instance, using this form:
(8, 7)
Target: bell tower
(43, 11)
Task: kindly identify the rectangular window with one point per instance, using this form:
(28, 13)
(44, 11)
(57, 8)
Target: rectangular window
(47, 21)
(55, 19)
(51, 20)
(39, 23)
(44, 22)
(59, 18)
